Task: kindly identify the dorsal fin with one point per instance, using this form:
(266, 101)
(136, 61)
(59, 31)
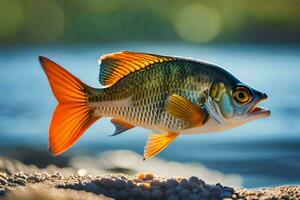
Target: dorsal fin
(115, 66)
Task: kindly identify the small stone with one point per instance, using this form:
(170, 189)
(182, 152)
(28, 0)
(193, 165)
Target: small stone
(149, 176)
(193, 197)
(231, 190)
(91, 187)
(184, 183)
(130, 184)
(170, 192)
(155, 187)
(155, 182)
(225, 194)
(141, 176)
(171, 183)
(193, 179)
(157, 194)
(2, 192)
(120, 184)
(21, 175)
(213, 198)
(122, 195)
(33, 179)
(194, 185)
(3, 181)
(20, 181)
(45, 175)
(184, 193)
(204, 194)
(10, 179)
(173, 197)
(3, 175)
(137, 180)
(135, 192)
(178, 188)
(59, 175)
(113, 192)
(146, 194)
(144, 186)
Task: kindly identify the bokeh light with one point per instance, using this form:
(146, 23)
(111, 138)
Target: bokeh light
(197, 23)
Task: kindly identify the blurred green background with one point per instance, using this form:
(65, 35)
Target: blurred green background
(77, 21)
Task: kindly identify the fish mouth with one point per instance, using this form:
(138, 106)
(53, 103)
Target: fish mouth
(259, 111)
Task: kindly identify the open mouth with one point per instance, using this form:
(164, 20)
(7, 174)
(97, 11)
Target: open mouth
(258, 110)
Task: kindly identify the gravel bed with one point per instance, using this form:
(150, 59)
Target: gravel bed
(55, 186)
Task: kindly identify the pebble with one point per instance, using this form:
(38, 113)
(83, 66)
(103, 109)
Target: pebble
(150, 187)
(34, 179)
(194, 197)
(225, 194)
(20, 181)
(184, 193)
(120, 184)
(2, 192)
(195, 190)
(170, 192)
(3, 175)
(146, 194)
(122, 195)
(173, 197)
(3, 181)
(135, 192)
(130, 184)
(149, 176)
(91, 187)
(178, 188)
(157, 194)
(21, 175)
(193, 179)
(184, 183)
(197, 180)
(171, 183)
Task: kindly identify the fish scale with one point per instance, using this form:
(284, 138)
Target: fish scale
(148, 91)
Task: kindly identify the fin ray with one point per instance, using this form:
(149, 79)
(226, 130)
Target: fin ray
(184, 109)
(157, 143)
(115, 66)
(120, 126)
(72, 115)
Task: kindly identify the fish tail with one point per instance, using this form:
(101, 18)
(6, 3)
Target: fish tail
(72, 116)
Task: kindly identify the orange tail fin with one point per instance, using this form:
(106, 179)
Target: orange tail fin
(72, 115)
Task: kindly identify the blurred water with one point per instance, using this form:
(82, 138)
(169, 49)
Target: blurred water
(264, 152)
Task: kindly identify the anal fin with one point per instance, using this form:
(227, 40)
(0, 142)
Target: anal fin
(157, 143)
(120, 126)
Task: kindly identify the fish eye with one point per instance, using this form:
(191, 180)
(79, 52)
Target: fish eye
(242, 95)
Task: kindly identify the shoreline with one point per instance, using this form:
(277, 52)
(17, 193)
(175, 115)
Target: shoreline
(51, 185)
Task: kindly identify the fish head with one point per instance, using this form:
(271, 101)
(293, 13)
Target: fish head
(234, 103)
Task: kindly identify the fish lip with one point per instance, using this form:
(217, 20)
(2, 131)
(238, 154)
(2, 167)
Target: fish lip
(259, 111)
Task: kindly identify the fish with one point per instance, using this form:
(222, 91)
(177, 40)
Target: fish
(169, 95)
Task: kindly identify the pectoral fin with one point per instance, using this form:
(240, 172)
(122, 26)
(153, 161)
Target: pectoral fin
(120, 126)
(184, 109)
(157, 143)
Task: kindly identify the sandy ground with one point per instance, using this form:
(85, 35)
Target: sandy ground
(19, 181)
